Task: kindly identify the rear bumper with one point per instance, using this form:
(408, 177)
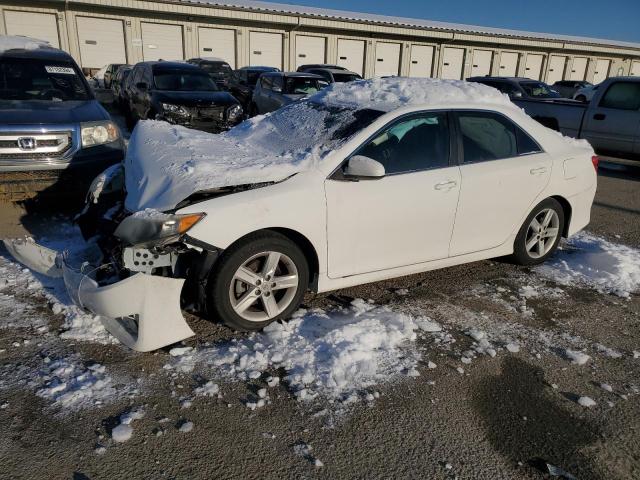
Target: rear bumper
(581, 204)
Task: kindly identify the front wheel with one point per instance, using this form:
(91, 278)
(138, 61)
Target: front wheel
(257, 281)
(540, 234)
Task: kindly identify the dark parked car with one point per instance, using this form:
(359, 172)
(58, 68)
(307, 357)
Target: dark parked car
(277, 89)
(52, 129)
(110, 73)
(567, 88)
(118, 82)
(244, 81)
(517, 87)
(219, 70)
(335, 75)
(309, 66)
(182, 94)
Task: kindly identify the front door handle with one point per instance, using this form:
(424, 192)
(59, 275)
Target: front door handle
(538, 171)
(448, 185)
(599, 116)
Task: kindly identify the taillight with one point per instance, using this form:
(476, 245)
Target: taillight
(596, 161)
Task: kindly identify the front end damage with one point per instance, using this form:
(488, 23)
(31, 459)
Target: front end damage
(137, 271)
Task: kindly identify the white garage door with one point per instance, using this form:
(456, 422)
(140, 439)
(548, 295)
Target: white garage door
(533, 66)
(162, 41)
(556, 69)
(101, 41)
(309, 50)
(218, 42)
(421, 61)
(387, 59)
(452, 63)
(265, 49)
(481, 65)
(578, 68)
(43, 26)
(351, 55)
(635, 69)
(602, 70)
(508, 64)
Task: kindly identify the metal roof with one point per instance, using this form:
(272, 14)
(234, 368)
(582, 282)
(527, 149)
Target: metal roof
(282, 8)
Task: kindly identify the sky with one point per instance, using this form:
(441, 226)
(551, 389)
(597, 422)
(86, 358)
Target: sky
(611, 19)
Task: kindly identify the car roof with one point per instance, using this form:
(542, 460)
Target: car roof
(44, 53)
(508, 79)
(291, 75)
(208, 59)
(321, 65)
(260, 68)
(169, 65)
(342, 71)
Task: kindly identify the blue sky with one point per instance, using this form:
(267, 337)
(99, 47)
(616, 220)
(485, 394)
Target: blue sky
(613, 19)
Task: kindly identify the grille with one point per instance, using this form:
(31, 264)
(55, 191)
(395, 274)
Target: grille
(213, 113)
(47, 149)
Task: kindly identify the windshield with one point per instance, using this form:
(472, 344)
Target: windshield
(345, 77)
(539, 90)
(301, 86)
(183, 81)
(31, 79)
(216, 68)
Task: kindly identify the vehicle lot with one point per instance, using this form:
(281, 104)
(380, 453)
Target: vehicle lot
(493, 420)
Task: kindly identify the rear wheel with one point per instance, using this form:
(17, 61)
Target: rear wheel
(540, 234)
(259, 280)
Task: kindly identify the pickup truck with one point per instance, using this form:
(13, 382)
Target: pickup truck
(610, 121)
(55, 137)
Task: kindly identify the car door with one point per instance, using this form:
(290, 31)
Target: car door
(407, 216)
(145, 94)
(276, 96)
(261, 95)
(614, 124)
(503, 170)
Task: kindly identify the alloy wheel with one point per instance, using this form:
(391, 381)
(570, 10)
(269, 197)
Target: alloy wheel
(542, 233)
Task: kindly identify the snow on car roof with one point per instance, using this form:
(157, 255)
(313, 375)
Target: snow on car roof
(165, 163)
(18, 42)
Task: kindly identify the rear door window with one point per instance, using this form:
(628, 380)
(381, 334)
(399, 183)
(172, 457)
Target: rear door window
(622, 96)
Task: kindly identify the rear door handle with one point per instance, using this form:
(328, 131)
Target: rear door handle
(448, 185)
(599, 116)
(538, 171)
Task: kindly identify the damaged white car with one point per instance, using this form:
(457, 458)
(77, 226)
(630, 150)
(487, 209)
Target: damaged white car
(359, 183)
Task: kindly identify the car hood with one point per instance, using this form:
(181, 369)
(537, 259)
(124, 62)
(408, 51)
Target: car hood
(44, 112)
(194, 99)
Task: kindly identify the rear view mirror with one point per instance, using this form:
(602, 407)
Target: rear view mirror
(363, 167)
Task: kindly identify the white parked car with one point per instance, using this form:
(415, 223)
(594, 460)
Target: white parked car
(361, 182)
(585, 94)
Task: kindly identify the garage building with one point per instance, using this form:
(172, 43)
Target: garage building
(244, 32)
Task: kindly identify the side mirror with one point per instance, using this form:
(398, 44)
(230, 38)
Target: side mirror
(363, 167)
(277, 89)
(142, 86)
(516, 95)
(323, 84)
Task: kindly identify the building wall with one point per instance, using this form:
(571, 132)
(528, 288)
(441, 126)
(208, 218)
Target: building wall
(242, 22)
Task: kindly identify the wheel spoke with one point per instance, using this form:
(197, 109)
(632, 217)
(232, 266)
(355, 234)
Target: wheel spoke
(547, 218)
(246, 301)
(270, 306)
(247, 276)
(285, 281)
(531, 243)
(535, 225)
(551, 232)
(541, 247)
(270, 264)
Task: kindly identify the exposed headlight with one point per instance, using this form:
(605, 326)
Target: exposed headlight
(152, 228)
(175, 109)
(234, 113)
(98, 133)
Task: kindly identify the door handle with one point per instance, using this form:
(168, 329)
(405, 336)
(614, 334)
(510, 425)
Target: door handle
(538, 171)
(448, 185)
(599, 116)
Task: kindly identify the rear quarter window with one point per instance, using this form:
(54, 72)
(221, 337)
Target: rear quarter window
(622, 96)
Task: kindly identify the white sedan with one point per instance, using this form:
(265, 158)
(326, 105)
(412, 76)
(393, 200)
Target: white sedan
(361, 182)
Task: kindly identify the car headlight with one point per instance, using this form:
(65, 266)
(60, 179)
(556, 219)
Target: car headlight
(153, 228)
(234, 113)
(175, 109)
(98, 133)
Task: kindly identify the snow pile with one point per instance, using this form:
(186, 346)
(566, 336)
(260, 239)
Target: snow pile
(124, 431)
(17, 42)
(588, 260)
(333, 354)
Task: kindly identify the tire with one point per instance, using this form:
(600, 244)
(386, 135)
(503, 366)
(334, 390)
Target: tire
(536, 255)
(224, 288)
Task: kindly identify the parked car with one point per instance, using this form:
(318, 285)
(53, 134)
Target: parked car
(52, 129)
(219, 70)
(117, 83)
(568, 88)
(277, 89)
(520, 88)
(304, 68)
(243, 82)
(610, 121)
(330, 192)
(586, 94)
(180, 93)
(110, 73)
(334, 75)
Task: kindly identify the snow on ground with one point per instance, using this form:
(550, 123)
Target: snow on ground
(591, 261)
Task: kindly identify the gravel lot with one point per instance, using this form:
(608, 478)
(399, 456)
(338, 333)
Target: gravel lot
(472, 415)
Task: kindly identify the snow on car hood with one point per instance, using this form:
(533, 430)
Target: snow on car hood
(166, 164)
